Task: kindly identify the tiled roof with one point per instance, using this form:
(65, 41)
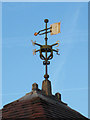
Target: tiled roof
(38, 106)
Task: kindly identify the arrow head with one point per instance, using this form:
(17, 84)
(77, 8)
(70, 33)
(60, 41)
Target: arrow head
(35, 33)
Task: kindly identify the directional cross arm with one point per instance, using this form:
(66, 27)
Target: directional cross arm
(37, 44)
(57, 43)
(34, 43)
(56, 51)
(34, 51)
(54, 44)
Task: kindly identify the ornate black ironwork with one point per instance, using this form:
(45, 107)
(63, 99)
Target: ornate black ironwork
(45, 48)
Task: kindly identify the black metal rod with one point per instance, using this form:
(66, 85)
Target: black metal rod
(54, 44)
(37, 44)
(44, 32)
(55, 50)
(46, 76)
(37, 50)
(46, 50)
(44, 29)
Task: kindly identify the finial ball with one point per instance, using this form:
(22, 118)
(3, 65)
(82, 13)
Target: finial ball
(46, 20)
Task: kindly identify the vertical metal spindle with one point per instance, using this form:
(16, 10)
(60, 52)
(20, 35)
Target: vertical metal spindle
(46, 75)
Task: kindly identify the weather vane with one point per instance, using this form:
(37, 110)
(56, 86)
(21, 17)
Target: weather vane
(53, 29)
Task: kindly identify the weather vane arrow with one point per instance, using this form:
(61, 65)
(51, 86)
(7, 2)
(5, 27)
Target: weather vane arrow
(53, 29)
